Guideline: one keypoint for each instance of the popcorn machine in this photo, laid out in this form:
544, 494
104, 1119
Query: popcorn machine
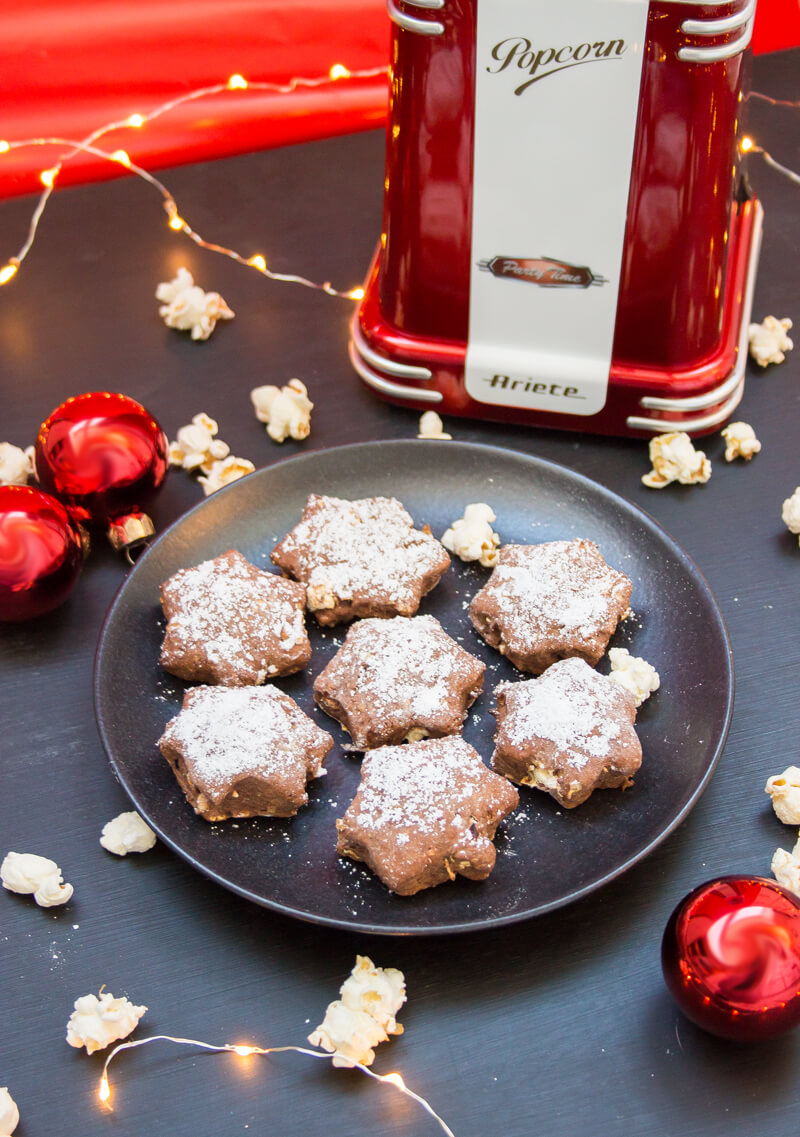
567, 239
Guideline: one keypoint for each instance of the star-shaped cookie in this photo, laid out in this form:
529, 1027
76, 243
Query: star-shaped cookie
399, 679
360, 558
243, 752
569, 733
551, 601
424, 813
230, 623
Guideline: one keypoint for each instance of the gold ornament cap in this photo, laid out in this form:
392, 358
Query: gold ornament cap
134, 529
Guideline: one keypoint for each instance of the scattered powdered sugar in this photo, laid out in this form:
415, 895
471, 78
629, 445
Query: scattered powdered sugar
226, 733
558, 583
229, 609
353, 548
571, 705
423, 786
408, 664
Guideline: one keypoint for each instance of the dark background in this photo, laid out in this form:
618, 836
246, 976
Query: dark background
552, 1027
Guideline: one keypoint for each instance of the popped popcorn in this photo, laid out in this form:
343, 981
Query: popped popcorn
285, 410
378, 991
674, 459
784, 790
790, 512
431, 426
472, 538
740, 441
364, 1016
27, 873
634, 673
16, 465
196, 448
127, 833
769, 341
786, 868
99, 1020
350, 1036
9, 1114
224, 472
188, 308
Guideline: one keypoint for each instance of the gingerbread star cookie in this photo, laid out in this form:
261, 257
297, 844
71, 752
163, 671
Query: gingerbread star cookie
399, 679
243, 752
231, 623
360, 558
424, 813
569, 733
548, 602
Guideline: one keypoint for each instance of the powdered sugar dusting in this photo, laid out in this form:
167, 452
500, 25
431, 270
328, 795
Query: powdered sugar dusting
403, 668
554, 585
234, 615
352, 549
226, 733
420, 787
571, 705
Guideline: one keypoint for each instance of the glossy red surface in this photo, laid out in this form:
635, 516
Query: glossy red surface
40, 553
70, 65
685, 167
103, 454
627, 384
731, 957
686, 242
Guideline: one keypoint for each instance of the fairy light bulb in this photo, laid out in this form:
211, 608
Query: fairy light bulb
746, 144
104, 1093
48, 177
244, 1051
395, 1080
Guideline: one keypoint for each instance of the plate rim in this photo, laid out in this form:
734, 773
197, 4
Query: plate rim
482, 924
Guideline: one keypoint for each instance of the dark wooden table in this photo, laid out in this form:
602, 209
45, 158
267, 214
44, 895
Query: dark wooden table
555, 1027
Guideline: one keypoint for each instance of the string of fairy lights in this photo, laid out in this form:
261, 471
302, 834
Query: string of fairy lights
236, 83
246, 1051
178, 223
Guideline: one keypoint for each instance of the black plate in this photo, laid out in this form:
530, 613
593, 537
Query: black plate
547, 856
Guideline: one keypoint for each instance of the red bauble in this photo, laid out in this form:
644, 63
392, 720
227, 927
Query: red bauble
40, 553
103, 455
731, 957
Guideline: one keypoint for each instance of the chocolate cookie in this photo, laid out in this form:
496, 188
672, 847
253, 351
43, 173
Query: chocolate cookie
399, 679
243, 752
424, 813
360, 558
570, 732
231, 623
548, 602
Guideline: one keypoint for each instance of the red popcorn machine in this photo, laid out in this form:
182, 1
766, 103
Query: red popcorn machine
568, 240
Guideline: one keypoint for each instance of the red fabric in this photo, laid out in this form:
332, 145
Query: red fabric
777, 25
68, 66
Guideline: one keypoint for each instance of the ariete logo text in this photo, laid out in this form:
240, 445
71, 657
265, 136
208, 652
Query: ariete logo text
539, 64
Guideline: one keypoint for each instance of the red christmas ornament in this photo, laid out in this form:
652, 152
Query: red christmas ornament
731, 957
105, 456
40, 553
